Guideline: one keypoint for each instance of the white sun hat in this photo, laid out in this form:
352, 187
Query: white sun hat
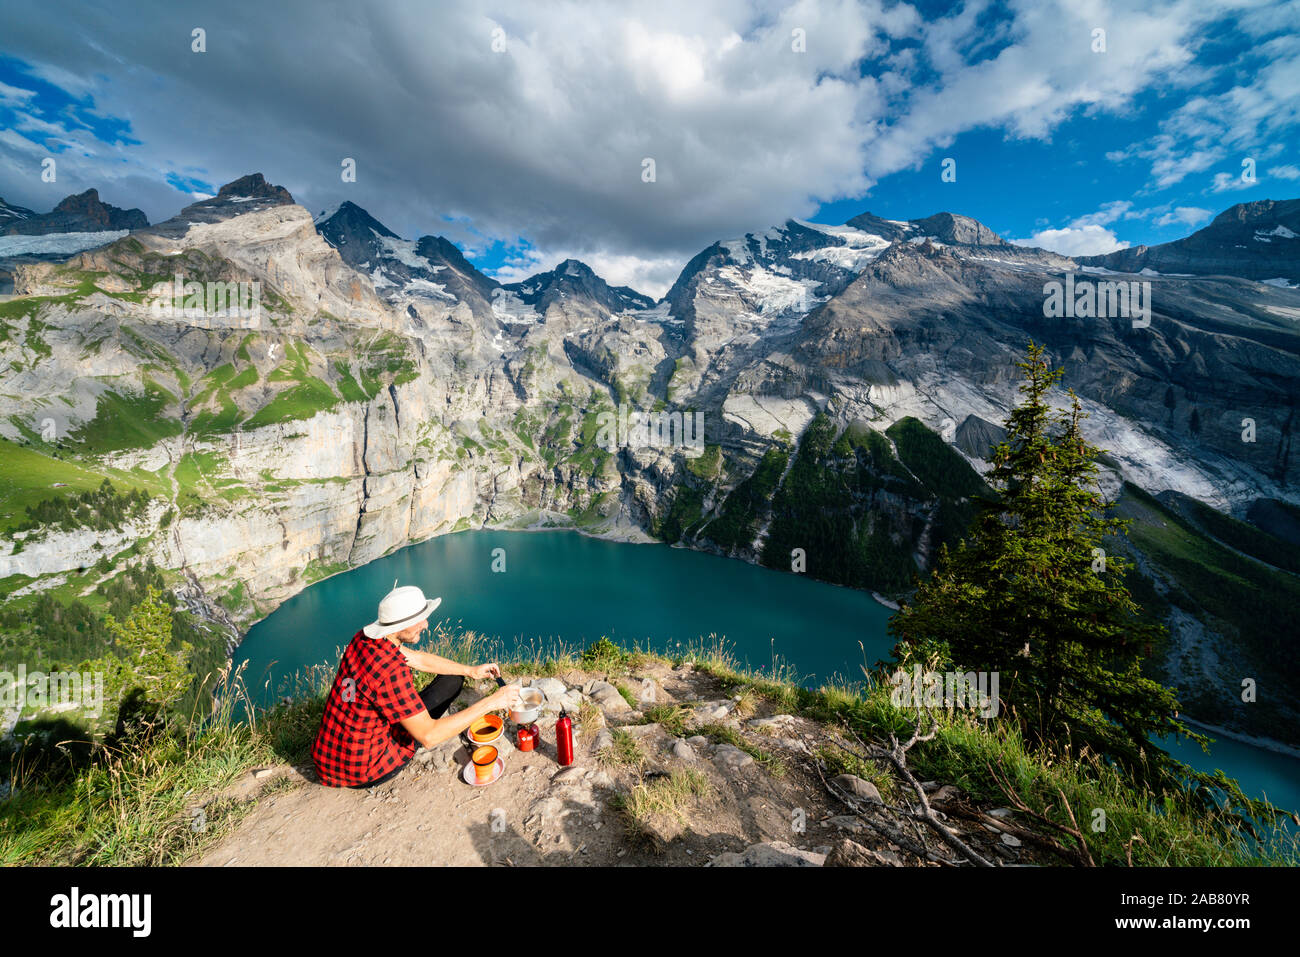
400, 609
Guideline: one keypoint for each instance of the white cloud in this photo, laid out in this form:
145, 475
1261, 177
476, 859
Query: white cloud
1086, 235
1284, 172
1223, 182
1187, 215
546, 139
1091, 240
12, 96
1243, 121
652, 276
1108, 213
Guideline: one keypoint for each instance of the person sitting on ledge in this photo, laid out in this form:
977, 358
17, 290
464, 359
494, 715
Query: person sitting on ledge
374, 716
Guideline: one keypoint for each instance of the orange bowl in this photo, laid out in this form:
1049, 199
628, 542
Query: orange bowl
486, 728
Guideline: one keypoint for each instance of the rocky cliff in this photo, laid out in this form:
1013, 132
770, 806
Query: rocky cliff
381, 391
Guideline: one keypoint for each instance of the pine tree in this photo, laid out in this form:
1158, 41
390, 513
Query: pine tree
147, 661
1033, 594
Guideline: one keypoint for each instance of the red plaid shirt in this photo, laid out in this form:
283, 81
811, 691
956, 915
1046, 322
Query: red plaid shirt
361, 737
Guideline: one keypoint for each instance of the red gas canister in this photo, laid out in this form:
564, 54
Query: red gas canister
564, 739
525, 739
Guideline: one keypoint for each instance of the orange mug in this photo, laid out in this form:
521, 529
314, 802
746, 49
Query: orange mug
485, 759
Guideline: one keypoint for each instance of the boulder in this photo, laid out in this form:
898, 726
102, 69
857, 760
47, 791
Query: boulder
639, 731
553, 688
852, 854
600, 779
682, 750
847, 822
728, 757
777, 722
441, 757
771, 854
570, 775
945, 794
714, 710
858, 787
608, 697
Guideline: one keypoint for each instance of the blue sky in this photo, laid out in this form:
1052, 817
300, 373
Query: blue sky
520, 132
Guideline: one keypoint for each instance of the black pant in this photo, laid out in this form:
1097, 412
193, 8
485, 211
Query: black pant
442, 691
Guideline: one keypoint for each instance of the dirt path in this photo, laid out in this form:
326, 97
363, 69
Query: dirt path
690, 800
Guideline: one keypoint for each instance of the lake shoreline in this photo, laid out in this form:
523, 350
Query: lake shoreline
625, 532
1265, 744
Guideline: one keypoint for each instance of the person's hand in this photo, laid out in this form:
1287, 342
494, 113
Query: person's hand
506, 697
489, 670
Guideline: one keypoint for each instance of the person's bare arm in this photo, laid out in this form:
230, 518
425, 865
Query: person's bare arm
431, 732
433, 664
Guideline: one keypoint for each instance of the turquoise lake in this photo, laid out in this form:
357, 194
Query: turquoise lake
563, 588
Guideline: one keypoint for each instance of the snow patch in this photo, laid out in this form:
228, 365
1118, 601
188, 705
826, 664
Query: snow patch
57, 242
403, 250
508, 307
659, 312
770, 292
860, 247
425, 287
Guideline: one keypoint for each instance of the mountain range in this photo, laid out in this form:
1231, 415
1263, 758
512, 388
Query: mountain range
851, 380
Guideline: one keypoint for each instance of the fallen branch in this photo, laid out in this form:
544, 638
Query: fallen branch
896, 755
1071, 854
889, 832
1083, 855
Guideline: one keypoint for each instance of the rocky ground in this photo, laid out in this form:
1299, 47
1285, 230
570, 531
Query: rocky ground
637, 794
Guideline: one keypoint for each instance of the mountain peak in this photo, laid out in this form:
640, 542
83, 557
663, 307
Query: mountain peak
80, 212
575, 268
254, 186
962, 230
79, 202
945, 227
574, 280
1238, 242
1260, 209
889, 229
349, 217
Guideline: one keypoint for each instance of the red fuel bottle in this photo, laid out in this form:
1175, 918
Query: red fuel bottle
564, 739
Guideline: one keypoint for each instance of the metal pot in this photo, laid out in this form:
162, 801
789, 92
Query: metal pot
529, 707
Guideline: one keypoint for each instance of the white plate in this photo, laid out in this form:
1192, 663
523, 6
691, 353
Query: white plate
468, 774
